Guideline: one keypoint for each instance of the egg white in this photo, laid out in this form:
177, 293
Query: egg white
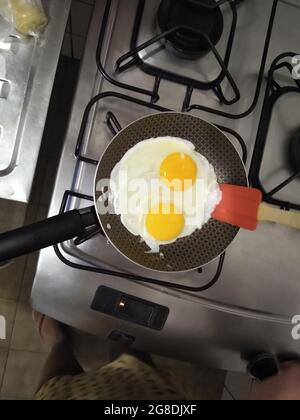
142, 162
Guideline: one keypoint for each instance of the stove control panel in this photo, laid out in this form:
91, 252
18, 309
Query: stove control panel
130, 308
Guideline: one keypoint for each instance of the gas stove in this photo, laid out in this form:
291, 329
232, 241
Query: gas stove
137, 63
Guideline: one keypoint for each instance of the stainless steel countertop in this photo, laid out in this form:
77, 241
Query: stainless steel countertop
251, 307
30, 66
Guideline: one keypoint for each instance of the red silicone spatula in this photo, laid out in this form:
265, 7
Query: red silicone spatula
243, 207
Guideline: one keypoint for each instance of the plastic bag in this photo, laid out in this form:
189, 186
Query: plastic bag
27, 16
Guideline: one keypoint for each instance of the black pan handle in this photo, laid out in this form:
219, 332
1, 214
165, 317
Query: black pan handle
49, 232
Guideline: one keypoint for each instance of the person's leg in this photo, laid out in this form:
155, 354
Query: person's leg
61, 360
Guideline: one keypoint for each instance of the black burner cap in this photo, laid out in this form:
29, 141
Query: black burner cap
295, 152
197, 16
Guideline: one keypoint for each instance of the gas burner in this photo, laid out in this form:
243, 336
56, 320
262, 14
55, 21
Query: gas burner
260, 177
196, 62
200, 24
295, 153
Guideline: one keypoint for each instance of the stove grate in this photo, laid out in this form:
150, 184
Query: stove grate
131, 58
274, 92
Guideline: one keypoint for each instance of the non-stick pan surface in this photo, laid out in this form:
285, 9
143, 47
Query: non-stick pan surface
204, 245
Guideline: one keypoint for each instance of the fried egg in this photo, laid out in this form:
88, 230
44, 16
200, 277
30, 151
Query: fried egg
164, 190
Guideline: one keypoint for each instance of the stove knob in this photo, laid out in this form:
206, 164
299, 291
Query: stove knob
263, 366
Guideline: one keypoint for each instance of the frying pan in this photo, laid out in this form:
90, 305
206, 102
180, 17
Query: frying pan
185, 254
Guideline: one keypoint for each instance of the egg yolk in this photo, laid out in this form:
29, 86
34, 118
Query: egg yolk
178, 168
164, 223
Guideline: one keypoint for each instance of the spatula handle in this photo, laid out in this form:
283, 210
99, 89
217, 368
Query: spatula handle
282, 217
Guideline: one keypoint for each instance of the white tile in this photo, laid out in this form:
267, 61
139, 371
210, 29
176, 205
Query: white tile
11, 277
8, 310
24, 336
12, 215
239, 385
22, 374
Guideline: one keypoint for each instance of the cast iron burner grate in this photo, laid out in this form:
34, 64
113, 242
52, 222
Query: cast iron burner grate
132, 58
274, 92
194, 18
115, 126
182, 23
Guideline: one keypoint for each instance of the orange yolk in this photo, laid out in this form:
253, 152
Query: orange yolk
164, 223
179, 169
